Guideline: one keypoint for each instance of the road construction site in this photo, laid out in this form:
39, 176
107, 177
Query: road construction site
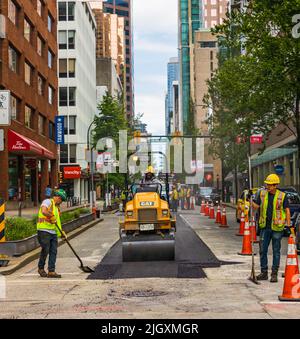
208, 279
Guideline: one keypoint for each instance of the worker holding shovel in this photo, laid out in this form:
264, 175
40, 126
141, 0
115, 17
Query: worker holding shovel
49, 230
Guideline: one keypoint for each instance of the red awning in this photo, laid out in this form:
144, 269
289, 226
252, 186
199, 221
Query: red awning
17, 143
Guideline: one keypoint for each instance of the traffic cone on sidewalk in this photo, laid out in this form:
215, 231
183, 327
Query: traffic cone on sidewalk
212, 211
224, 219
253, 230
219, 216
242, 225
202, 210
247, 246
291, 288
207, 209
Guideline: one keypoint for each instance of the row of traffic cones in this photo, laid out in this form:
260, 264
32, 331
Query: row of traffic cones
209, 211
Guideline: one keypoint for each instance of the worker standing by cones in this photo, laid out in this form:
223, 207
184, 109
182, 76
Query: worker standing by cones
174, 199
274, 215
48, 234
188, 197
181, 197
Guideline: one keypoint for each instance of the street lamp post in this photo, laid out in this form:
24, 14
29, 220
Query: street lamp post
91, 164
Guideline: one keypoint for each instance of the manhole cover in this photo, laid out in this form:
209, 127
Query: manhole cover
144, 294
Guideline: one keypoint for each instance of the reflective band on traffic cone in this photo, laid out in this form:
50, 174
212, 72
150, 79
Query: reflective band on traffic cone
212, 211
219, 216
291, 288
242, 225
202, 211
207, 210
253, 230
224, 219
247, 248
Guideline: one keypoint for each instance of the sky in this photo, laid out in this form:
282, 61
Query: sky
155, 42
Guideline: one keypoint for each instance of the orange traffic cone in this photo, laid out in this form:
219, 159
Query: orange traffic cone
212, 211
253, 230
224, 219
291, 288
242, 225
247, 247
202, 210
219, 216
207, 209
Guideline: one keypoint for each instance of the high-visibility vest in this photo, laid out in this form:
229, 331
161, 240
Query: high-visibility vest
175, 194
43, 224
181, 193
123, 196
188, 193
279, 214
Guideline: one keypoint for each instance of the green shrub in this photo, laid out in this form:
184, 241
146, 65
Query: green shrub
84, 211
19, 228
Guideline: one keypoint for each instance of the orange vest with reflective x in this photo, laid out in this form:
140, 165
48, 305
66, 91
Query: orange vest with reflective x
43, 222
279, 214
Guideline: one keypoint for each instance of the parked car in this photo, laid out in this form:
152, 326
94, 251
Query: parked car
242, 201
209, 194
294, 202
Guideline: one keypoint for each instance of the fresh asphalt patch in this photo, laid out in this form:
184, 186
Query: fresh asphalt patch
191, 256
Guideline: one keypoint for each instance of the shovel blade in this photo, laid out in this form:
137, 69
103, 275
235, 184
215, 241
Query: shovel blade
86, 269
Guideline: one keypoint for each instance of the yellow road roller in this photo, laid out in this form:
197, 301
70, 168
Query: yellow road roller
148, 230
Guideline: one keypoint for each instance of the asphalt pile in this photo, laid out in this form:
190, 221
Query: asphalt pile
191, 256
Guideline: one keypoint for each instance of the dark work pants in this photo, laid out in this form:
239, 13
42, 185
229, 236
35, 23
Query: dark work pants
174, 205
48, 243
266, 235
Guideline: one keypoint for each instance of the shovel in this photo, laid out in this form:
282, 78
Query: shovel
85, 269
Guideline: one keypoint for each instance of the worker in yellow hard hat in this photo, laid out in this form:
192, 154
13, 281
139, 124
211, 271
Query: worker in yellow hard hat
274, 214
149, 177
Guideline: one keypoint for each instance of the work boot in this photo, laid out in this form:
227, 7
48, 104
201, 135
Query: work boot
274, 278
54, 275
42, 273
262, 276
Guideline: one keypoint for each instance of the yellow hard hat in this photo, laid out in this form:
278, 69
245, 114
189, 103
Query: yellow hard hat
272, 179
150, 169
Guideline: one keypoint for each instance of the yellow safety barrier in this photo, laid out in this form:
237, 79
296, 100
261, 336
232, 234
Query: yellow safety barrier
2, 220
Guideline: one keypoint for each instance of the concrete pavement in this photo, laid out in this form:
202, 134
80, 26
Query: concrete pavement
225, 293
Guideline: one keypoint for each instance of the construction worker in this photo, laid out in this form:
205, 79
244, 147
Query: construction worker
174, 197
123, 198
149, 177
188, 197
48, 234
181, 197
273, 217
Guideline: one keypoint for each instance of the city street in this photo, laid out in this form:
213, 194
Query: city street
225, 292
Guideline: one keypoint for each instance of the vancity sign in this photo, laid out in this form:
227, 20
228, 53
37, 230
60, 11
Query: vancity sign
72, 172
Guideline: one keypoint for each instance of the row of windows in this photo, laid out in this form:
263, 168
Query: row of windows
67, 96
67, 68
66, 39
66, 11
68, 154
70, 125
30, 118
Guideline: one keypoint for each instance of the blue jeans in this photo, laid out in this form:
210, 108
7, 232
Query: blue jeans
266, 235
48, 243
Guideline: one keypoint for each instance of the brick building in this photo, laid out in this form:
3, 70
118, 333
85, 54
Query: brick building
28, 69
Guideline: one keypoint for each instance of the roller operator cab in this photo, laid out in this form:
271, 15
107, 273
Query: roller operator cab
148, 229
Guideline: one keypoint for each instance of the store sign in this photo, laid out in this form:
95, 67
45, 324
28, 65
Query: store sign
5, 108
59, 130
256, 139
72, 172
279, 169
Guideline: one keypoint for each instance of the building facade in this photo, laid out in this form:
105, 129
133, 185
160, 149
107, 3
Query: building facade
173, 75
214, 12
77, 90
123, 8
190, 20
28, 69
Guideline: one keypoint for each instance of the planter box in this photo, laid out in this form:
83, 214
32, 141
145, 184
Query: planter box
20, 247
114, 206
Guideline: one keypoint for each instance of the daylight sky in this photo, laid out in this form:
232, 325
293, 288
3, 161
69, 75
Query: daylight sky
155, 41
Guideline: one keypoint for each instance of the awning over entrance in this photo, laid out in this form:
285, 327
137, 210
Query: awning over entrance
17, 143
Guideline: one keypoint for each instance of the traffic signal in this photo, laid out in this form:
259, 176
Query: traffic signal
60, 177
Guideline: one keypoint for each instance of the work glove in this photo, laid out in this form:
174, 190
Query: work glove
53, 220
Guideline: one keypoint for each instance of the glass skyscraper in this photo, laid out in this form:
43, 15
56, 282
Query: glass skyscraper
173, 75
190, 20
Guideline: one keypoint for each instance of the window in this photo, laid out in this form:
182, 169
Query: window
27, 30
50, 95
28, 73
71, 11
73, 154
41, 85
52, 131
62, 11
40, 46
208, 44
66, 130
62, 39
213, 12
50, 58
40, 7
28, 117
15, 105
71, 39
41, 124
72, 96
71, 68
63, 96
63, 68
50, 23
12, 12
13, 59
72, 125
64, 156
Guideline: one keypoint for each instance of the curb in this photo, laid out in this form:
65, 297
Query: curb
33, 255
230, 206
